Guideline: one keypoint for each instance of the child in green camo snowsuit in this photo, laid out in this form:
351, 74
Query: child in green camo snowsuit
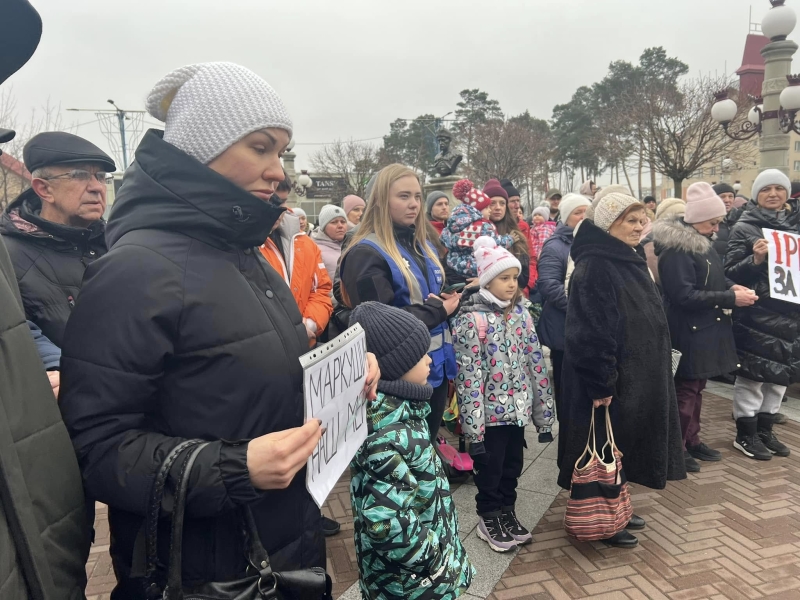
406, 528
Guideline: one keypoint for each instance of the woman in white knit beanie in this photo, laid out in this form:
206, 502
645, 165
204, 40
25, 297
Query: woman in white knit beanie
185, 333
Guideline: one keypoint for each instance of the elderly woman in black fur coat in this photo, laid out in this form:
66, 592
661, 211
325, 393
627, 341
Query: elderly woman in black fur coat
618, 354
698, 300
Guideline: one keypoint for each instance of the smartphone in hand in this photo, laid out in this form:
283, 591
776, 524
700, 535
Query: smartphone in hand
456, 287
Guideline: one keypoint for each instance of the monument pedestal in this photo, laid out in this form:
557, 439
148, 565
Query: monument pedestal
445, 185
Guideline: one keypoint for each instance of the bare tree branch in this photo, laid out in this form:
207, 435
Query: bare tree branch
354, 161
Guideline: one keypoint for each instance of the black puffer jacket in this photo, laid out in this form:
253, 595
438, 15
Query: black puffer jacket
696, 294
768, 333
184, 331
49, 261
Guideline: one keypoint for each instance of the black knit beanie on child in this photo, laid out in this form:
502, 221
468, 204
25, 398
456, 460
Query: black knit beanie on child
399, 341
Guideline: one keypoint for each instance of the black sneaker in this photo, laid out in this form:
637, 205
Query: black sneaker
330, 527
514, 528
692, 465
767, 437
703, 452
748, 441
753, 447
491, 531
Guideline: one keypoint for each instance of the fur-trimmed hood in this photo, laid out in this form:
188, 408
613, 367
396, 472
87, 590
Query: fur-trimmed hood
674, 234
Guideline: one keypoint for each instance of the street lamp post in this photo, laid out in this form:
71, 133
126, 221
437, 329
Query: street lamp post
774, 120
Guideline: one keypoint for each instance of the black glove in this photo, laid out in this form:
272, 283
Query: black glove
545, 437
476, 449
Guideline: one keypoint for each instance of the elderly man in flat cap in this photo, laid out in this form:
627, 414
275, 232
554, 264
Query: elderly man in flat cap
55, 229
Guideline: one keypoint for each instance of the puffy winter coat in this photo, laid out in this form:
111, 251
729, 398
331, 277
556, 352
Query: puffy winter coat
465, 225
502, 378
406, 525
698, 300
44, 530
768, 333
618, 345
330, 250
185, 331
49, 261
552, 269
300, 264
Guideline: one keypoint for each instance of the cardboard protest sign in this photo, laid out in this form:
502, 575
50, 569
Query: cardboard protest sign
334, 377
784, 265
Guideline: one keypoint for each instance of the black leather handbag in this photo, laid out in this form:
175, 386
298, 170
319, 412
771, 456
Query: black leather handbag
259, 583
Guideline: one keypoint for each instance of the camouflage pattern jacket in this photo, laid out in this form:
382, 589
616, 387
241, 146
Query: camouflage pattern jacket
406, 527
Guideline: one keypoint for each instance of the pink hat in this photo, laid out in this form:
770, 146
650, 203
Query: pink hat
350, 202
465, 191
702, 203
492, 188
492, 260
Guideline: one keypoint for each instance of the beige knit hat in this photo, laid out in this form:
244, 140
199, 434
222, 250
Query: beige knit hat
611, 189
610, 207
669, 208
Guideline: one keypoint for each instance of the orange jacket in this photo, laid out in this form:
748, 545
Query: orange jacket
306, 275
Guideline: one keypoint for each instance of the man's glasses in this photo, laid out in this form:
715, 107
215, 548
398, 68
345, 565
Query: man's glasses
81, 175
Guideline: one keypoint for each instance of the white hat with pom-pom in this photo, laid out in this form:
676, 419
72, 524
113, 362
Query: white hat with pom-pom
492, 260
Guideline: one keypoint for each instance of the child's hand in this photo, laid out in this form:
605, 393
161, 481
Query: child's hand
373, 374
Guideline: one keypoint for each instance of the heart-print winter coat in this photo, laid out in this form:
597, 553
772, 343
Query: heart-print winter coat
502, 379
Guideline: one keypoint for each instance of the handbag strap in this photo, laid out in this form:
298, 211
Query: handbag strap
591, 444
154, 508
174, 589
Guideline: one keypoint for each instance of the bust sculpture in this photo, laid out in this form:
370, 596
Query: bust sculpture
445, 163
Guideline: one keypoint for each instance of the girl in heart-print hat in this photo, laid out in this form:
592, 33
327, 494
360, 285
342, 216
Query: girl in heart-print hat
502, 385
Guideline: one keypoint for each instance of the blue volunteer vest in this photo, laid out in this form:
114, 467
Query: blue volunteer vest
443, 357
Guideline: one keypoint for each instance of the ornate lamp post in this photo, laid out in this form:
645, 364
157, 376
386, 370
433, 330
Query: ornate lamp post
775, 119
303, 183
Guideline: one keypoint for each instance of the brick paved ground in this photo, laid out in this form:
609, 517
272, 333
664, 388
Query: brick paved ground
731, 531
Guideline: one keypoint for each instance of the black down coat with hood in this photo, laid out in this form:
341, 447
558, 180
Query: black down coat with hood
768, 333
184, 331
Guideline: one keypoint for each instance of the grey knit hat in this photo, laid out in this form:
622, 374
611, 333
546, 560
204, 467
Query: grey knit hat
541, 211
610, 208
328, 213
397, 338
770, 177
431, 200
208, 107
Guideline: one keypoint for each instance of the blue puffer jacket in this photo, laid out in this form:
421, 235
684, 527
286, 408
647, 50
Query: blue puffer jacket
552, 271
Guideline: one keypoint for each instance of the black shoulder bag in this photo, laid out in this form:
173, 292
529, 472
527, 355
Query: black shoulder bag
259, 583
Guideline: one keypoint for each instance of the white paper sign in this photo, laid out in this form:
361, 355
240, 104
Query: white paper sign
784, 265
334, 377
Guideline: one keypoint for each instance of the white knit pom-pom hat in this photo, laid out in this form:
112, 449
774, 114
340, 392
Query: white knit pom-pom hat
492, 260
208, 107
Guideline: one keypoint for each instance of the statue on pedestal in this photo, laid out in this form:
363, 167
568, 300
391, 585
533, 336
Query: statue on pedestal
445, 163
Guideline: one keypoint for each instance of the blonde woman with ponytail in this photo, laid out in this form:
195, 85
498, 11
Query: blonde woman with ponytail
391, 260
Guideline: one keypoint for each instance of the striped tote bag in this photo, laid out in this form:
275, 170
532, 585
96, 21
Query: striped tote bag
599, 502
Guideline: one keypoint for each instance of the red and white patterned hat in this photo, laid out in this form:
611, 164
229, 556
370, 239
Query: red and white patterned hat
466, 191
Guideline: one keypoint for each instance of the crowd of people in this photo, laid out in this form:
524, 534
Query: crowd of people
183, 317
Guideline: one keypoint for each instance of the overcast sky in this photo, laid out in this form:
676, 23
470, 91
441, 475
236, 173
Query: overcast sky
347, 68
